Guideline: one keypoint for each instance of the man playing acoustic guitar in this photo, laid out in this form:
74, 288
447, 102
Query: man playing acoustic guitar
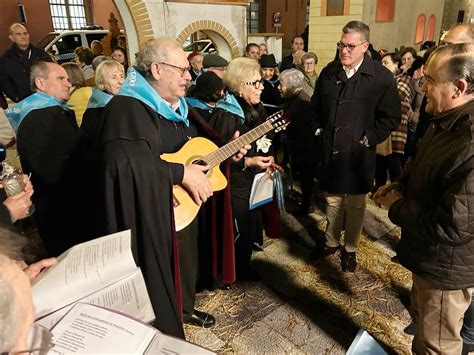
147, 118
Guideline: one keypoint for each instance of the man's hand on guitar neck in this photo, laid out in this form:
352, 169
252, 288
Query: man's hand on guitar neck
243, 151
196, 183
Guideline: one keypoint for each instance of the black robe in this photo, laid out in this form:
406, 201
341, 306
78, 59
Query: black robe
47, 143
137, 186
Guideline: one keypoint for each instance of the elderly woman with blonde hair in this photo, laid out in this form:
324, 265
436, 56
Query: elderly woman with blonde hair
241, 110
109, 77
300, 133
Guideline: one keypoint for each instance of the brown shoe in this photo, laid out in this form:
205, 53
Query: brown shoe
348, 261
321, 253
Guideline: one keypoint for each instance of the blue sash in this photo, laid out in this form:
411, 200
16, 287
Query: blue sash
98, 99
199, 104
38, 100
229, 103
137, 87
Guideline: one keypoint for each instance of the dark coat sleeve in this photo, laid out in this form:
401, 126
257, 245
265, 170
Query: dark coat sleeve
388, 112
6, 84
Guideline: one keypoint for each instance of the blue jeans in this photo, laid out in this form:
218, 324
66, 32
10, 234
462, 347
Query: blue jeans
467, 330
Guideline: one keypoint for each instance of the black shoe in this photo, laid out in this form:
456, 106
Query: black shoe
225, 287
257, 247
467, 348
410, 329
322, 252
201, 319
348, 261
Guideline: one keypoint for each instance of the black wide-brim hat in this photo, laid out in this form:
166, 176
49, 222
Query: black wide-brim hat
267, 61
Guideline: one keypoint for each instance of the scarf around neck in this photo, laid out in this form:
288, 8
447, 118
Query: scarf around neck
196, 103
229, 103
137, 87
98, 99
38, 100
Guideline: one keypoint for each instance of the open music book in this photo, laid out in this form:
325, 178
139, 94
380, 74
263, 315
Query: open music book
89, 329
101, 272
262, 190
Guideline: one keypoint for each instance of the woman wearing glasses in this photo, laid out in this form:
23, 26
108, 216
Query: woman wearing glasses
241, 110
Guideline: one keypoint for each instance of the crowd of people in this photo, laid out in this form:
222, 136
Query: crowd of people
393, 125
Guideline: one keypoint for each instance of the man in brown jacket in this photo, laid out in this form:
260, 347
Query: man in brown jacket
433, 204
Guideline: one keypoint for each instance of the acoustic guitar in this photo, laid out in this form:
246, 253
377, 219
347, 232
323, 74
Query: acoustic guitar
204, 152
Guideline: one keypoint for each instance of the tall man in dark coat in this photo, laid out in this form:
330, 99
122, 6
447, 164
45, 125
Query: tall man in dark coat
47, 143
356, 106
16, 61
433, 204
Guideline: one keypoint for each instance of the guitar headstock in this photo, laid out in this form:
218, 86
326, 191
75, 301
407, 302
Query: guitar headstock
278, 121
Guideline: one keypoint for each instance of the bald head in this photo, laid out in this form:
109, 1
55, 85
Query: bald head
462, 33
19, 35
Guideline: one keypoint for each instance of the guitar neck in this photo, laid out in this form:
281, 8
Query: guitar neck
218, 156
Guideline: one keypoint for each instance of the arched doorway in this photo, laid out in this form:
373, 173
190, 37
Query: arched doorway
225, 43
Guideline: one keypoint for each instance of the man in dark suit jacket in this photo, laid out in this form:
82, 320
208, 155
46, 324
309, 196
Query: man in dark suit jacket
16, 61
356, 106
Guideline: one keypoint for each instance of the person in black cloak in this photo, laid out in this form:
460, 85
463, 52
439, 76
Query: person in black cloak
109, 77
138, 128
149, 117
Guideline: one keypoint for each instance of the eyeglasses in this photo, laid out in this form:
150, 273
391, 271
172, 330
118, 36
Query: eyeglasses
183, 70
256, 84
39, 341
350, 47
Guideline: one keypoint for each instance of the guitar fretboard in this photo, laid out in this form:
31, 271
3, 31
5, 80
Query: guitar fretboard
218, 156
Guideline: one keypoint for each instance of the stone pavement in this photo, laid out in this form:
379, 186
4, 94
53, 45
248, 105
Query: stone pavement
301, 307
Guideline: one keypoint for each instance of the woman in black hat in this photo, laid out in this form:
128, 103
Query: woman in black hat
208, 90
270, 97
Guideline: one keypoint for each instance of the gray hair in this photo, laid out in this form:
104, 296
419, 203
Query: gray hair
38, 70
8, 317
155, 51
359, 27
459, 65
97, 60
309, 55
293, 79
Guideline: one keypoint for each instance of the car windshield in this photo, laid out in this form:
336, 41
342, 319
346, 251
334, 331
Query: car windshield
196, 46
42, 43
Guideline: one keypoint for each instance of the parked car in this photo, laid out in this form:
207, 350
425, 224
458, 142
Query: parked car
204, 46
63, 43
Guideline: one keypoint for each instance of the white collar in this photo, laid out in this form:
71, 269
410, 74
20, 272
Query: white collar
350, 72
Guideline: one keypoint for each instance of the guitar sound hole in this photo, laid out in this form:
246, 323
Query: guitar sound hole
202, 162
199, 162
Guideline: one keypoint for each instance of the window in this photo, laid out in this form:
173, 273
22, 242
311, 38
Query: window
431, 28
420, 29
68, 14
253, 11
335, 8
385, 11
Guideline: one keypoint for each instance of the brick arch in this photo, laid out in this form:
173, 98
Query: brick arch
141, 20
205, 25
